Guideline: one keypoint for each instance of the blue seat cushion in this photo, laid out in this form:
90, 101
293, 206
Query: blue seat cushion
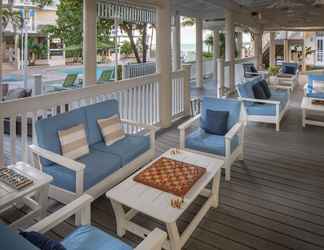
269, 109
315, 94
13, 241
214, 144
47, 130
91, 238
216, 122
98, 166
233, 107
98, 111
128, 148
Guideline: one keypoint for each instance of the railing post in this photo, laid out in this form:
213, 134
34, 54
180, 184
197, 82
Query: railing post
220, 76
38, 85
186, 89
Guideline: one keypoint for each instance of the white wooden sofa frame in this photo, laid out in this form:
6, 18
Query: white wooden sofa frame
229, 158
66, 196
266, 118
82, 206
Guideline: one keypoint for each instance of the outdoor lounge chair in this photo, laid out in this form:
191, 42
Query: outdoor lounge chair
315, 86
289, 74
84, 237
228, 147
264, 110
107, 75
69, 83
250, 71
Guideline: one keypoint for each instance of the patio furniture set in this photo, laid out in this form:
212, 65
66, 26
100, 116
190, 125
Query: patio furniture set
89, 151
87, 161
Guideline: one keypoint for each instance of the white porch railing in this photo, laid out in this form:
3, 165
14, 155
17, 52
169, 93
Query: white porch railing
208, 67
138, 98
138, 69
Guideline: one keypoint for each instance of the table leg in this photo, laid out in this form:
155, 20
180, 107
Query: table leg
175, 242
120, 218
215, 189
43, 201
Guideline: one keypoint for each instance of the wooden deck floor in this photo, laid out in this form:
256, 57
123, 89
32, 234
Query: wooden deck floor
274, 201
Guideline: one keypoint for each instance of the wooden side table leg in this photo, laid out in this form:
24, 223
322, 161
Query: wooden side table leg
175, 241
215, 189
43, 201
120, 218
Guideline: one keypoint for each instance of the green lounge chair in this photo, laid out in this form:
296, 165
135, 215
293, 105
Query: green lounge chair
107, 75
70, 80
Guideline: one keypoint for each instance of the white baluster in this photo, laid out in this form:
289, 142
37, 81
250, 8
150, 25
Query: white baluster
24, 137
13, 138
2, 160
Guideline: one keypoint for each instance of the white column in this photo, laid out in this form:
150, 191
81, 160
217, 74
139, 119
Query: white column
220, 77
163, 47
186, 90
239, 44
199, 54
89, 41
286, 48
176, 47
272, 49
230, 48
258, 48
216, 52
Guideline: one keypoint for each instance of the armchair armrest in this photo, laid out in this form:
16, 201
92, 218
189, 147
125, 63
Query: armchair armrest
183, 128
59, 159
233, 131
188, 123
153, 241
259, 100
64, 162
82, 204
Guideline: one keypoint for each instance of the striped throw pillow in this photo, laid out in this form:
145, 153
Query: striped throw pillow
111, 129
74, 142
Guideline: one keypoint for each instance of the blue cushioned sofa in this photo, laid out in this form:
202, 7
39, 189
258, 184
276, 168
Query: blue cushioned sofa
292, 71
84, 237
266, 111
312, 90
228, 147
104, 166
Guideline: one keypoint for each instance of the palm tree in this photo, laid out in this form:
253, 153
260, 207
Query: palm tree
10, 16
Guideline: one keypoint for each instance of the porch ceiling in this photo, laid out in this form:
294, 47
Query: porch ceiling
270, 14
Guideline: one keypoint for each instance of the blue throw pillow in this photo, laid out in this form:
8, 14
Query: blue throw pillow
216, 122
266, 88
41, 241
258, 91
253, 69
289, 70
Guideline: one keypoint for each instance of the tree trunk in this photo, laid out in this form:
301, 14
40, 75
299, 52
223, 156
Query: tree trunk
144, 35
129, 30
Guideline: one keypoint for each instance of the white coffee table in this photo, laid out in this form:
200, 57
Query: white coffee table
9, 196
156, 203
306, 106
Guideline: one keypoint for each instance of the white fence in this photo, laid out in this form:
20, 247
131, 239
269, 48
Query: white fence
138, 69
138, 98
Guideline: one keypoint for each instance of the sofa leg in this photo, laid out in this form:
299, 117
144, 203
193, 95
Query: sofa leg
277, 126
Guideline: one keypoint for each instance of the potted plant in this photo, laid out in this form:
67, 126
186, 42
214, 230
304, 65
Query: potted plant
273, 72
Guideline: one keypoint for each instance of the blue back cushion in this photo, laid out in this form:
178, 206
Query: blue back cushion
47, 130
13, 241
289, 68
314, 77
98, 111
246, 89
233, 107
216, 122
